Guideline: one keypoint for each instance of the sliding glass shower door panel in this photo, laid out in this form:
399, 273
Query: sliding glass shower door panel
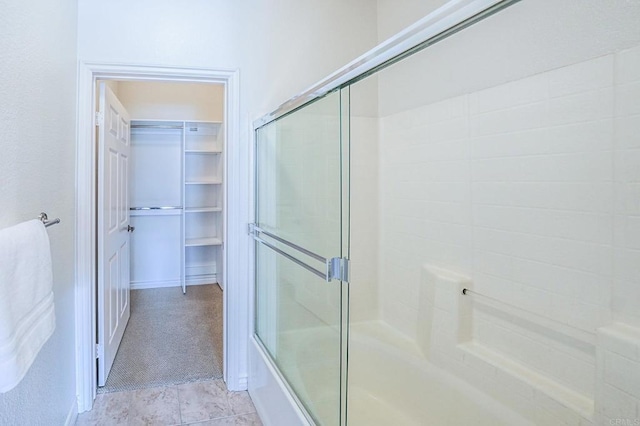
299, 177
301, 224
301, 331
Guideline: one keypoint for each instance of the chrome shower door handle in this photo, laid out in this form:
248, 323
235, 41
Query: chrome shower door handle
337, 268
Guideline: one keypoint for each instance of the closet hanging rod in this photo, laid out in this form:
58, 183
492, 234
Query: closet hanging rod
157, 208
157, 126
45, 220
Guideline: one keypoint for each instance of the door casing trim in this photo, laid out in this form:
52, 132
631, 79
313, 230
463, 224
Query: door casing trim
236, 314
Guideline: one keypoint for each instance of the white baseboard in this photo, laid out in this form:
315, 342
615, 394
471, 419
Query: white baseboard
72, 416
141, 285
202, 280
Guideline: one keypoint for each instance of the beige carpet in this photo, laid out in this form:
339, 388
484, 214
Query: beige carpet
171, 338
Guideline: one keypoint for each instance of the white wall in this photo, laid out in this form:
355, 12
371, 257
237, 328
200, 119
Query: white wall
281, 47
172, 101
114, 85
37, 140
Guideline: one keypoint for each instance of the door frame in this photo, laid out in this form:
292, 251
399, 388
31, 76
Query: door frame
235, 306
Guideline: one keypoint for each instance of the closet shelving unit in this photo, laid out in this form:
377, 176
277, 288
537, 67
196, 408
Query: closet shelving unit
182, 168
203, 201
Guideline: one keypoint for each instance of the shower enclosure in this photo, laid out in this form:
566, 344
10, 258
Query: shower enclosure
447, 231
302, 251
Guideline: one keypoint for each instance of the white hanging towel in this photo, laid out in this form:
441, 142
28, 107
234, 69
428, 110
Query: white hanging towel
27, 317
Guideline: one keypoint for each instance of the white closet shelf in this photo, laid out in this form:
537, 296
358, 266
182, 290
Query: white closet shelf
210, 123
202, 209
203, 151
207, 241
204, 182
175, 212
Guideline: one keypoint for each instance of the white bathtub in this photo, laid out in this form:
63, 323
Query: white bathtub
391, 383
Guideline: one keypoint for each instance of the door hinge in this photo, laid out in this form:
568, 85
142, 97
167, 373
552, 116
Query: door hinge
99, 118
251, 228
99, 351
338, 269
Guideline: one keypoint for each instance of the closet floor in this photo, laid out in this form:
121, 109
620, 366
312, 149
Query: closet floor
171, 338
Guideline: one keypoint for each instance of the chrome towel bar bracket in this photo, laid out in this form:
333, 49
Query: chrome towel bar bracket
45, 220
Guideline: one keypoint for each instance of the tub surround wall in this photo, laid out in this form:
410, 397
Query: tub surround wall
365, 202
365, 225
626, 236
444, 318
447, 338
522, 40
530, 189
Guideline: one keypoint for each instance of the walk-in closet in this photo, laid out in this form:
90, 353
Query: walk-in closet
165, 169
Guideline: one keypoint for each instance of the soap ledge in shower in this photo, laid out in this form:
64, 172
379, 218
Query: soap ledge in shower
440, 296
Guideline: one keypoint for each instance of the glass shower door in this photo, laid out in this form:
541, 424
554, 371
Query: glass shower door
301, 236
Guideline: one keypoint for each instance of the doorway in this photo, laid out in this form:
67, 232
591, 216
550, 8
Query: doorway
161, 157
234, 300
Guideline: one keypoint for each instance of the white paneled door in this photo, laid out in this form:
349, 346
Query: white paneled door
113, 228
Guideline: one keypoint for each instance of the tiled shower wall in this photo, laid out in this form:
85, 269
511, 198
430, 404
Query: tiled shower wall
531, 189
364, 230
626, 289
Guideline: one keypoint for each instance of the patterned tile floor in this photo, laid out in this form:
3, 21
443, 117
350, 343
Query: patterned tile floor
202, 403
